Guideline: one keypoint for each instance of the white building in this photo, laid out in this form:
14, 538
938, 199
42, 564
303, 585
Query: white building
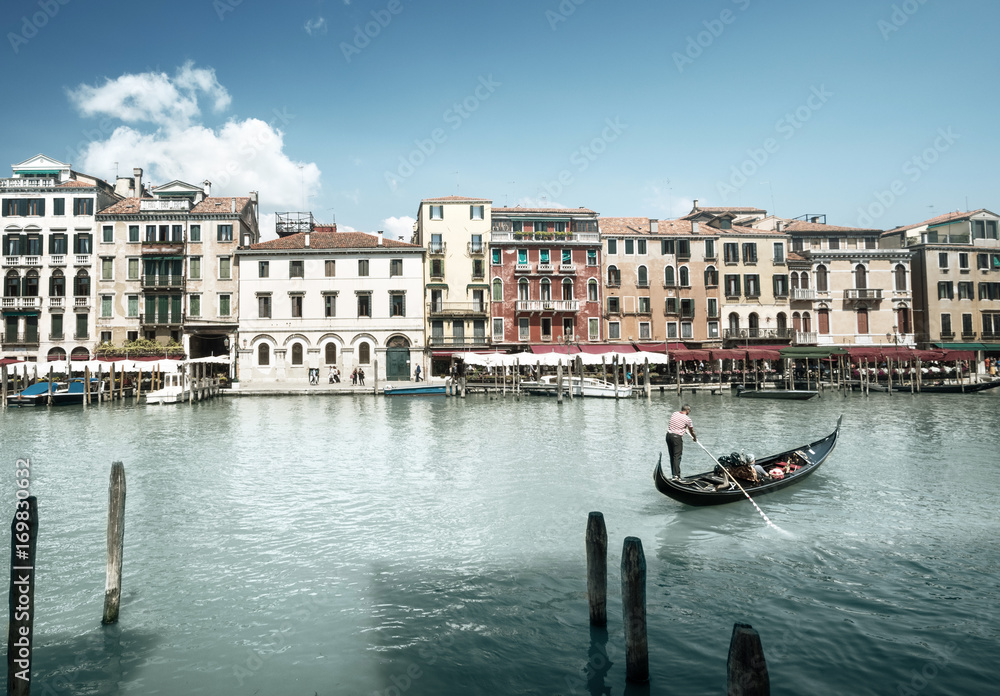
49, 262
319, 298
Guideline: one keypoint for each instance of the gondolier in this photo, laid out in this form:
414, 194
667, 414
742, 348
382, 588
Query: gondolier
680, 423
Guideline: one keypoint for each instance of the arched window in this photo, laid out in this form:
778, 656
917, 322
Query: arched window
903, 319
81, 284
31, 284
668, 277
497, 290
12, 284
796, 322
900, 276
592, 290
793, 280
614, 276
685, 277
734, 324
822, 279
296, 353
522, 289
860, 278
711, 276
782, 324
263, 355
642, 277
56, 355
57, 284
804, 280
364, 353
754, 325
567, 289
823, 316
331, 353
806, 322
546, 287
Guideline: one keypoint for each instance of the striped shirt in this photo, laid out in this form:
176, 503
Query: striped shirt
679, 422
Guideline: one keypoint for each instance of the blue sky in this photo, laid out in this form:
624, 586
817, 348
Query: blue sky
874, 113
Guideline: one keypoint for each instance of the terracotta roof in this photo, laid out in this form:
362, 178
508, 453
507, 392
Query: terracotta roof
803, 226
739, 230
947, 217
794, 256
561, 211
454, 199
220, 204
719, 209
331, 240
615, 226
124, 206
76, 183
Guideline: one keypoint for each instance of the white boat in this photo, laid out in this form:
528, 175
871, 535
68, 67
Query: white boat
581, 386
175, 390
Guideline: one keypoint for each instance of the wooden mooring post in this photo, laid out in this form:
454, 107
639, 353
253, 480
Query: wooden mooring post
597, 569
116, 542
86, 385
559, 382
3, 385
634, 611
746, 669
20, 629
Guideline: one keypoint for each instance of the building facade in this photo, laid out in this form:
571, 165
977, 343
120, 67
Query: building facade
50, 261
321, 299
545, 276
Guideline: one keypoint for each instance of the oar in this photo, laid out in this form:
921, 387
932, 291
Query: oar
730, 476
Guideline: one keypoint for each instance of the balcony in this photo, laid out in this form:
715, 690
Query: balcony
437, 249
522, 268
8, 303
550, 237
476, 248
57, 260
34, 261
871, 294
82, 260
457, 309
176, 206
806, 338
803, 294
31, 303
56, 336
11, 261
947, 335
81, 303
968, 335
30, 182
547, 306
567, 268
152, 282
27, 339
459, 341
170, 320
758, 334
85, 336
545, 268
163, 248
57, 302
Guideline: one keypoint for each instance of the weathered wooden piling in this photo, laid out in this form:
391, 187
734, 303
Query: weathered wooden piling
746, 669
20, 630
3, 386
597, 569
559, 382
49, 400
116, 541
634, 611
86, 385
569, 367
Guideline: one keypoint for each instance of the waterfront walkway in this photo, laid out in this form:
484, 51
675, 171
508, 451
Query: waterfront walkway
324, 388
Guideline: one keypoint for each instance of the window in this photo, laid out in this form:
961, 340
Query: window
749, 253
666, 246
478, 269
133, 234
612, 246
684, 276
362, 267
437, 268
567, 257
671, 306
497, 290
731, 252
330, 304
640, 246
263, 355
107, 269
224, 304
614, 277
712, 309
613, 305
967, 325
629, 246
560, 226
194, 268
83, 206
751, 285
397, 304
779, 252
672, 329
498, 328
711, 277
780, 285
106, 306
983, 262
396, 267
860, 276
522, 257
713, 329
296, 353
150, 233
683, 248
364, 304
81, 284
225, 268
546, 290
194, 305
592, 290
687, 308
946, 325
591, 257
834, 243
330, 268
82, 244
642, 277
437, 212
943, 260
522, 290
296, 268
567, 289
541, 226
82, 330
643, 329
614, 330
732, 285
108, 234
965, 290
59, 206
263, 269
989, 291
495, 257
543, 256
296, 306
263, 306
177, 233
593, 329
523, 330
945, 290
517, 226
822, 279
644, 305
668, 277
963, 261
57, 284
477, 212
194, 233
132, 305
57, 244
224, 233
687, 329
709, 249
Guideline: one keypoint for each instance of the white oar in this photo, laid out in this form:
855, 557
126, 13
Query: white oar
730, 476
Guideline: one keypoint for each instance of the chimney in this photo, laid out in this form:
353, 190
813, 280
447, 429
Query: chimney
208, 187
779, 225
696, 204
815, 219
232, 206
307, 239
137, 177
380, 237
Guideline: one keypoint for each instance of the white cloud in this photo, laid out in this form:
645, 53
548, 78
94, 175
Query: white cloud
315, 26
153, 97
658, 199
396, 227
238, 157
532, 202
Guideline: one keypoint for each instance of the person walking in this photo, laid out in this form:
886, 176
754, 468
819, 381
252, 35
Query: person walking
361, 376
680, 423
354, 377
416, 375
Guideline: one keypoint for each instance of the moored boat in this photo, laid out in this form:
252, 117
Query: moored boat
35, 395
704, 489
415, 390
175, 390
581, 386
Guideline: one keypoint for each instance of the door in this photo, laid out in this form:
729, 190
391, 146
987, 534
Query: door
397, 360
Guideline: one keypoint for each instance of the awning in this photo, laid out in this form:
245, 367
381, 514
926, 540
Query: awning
953, 355
601, 349
728, 354
553, 348
437, 285
759, 353
962, 346
803, 352
685, 355
660, 347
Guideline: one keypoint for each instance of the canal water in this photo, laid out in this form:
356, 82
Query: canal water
361, 545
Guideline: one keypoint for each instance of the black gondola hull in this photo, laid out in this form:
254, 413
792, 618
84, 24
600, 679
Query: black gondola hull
690, 493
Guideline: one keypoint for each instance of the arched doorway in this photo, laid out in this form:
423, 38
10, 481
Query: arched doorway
397, 359
56, 355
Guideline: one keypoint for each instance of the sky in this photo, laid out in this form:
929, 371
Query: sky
873, 113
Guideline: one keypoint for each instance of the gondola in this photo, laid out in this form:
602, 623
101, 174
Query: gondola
701, 489
971, 388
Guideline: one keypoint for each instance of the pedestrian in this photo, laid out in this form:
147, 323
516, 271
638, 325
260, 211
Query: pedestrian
416, 375
336, 373
354, 377
680, 423
361, 376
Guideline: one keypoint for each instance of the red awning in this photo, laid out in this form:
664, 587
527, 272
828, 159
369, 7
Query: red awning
660, 347
685, 355
728, 354
602, 348
761, 353
952, 355
11, 361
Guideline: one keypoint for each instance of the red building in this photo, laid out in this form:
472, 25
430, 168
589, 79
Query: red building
545, 276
